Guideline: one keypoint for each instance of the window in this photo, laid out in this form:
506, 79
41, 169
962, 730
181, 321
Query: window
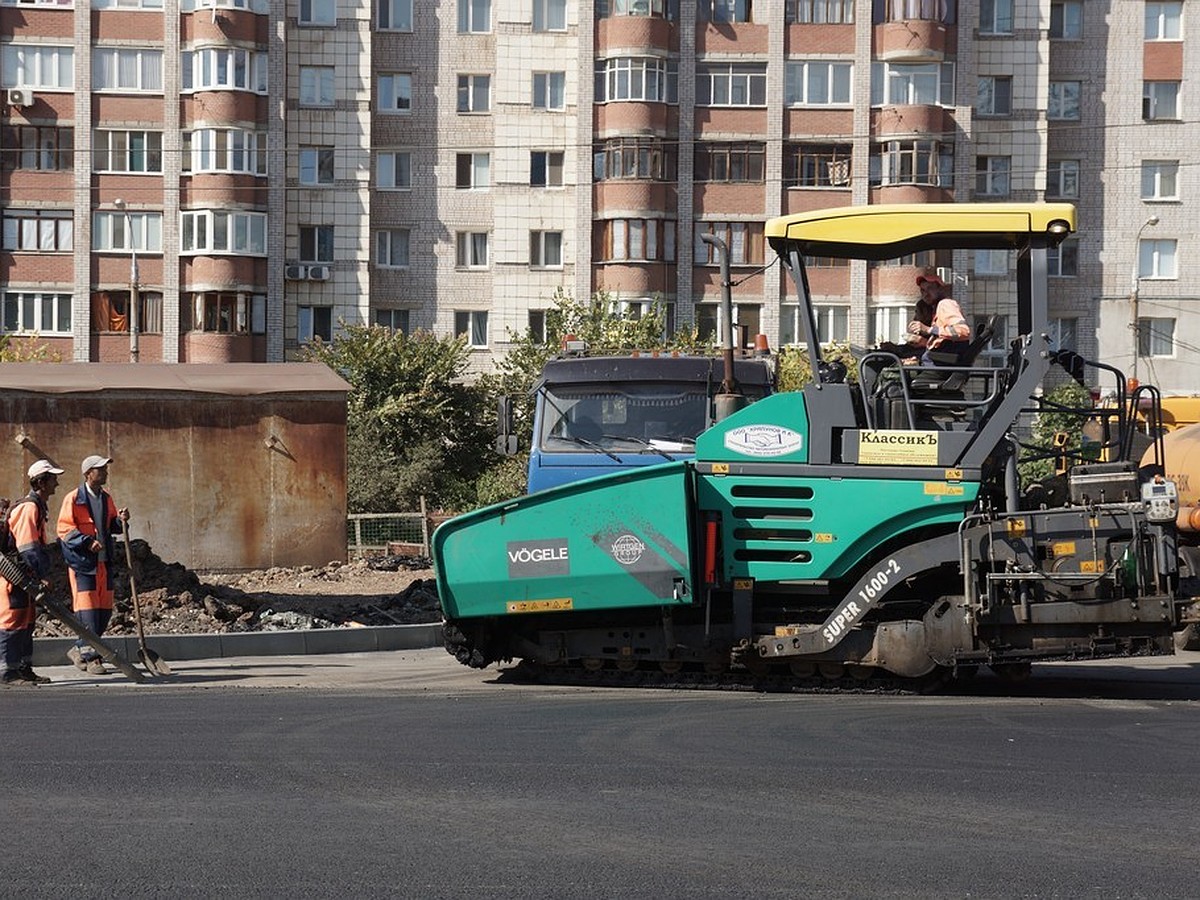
913, 162
730, 162
546, 249
818, 12
316, 243
471, 249
318, 12
29, 313
314, 323
395, 15
549, 15
546, 168
995, 16
991, 262
391, 248
537, 325
890, 323
226, 312
919, 84
1064, 101
816, 165
648, 240
126, 70
316, 85
1063, 261
995, 96
393, 170
38, 66
223, 231
817, 83
316, 165
43, 148
993, 176
731, 84
924, 259
1163, 21
473, 325
1160, 179
743, 239
668, 9
258, 6
833, 324
39, 231
474, 16
472, 171
1062, 179
1156, 259
1160, 100
127, 151
127, 231
225, 150
1066, 20
225, 68
644, 159
48, 3
395, 92
474, 93
110, 312
727, 10
1064, 334
1156, 336
746, 318
393, 319
638, 78
549, 90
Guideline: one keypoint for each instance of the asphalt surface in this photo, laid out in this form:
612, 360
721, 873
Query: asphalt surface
404, 774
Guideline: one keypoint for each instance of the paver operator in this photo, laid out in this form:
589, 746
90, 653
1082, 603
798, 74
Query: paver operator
86, 524
948, 331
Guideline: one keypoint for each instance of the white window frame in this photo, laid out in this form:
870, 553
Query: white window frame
1064, 333
321, 13
1062, 179
318, 86
317, 166
223, 69
833, 324
394, 320
731, 85
549, 15
1158, 259
549, 91
127, 70
243, 312
549, 165
311, 318
472, 171
1066, 20
912, 84
474, 94
546, 249
996, 16
219, 232
393, 248
993, 176
1064, 102
1156, 337
38, 230
118, 145
42, 67
1063, 261
111, 234
35, 312
393, 170
741, 240
1164, 21
992, 263
822, 82
473, 325
912, 162
727, 12
474, 16
395, 93
1160, 179
394, 15
818, 12
225, 150
637, 79
317, 244
994, 96
472, 249
890, 323
1160, 100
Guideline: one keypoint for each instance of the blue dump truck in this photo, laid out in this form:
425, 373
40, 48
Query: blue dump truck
595, 415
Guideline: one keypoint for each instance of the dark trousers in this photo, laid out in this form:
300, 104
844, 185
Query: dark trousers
16, 648
95, 620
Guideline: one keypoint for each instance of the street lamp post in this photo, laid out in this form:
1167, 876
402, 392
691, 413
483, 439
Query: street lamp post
135, 298
1133, 295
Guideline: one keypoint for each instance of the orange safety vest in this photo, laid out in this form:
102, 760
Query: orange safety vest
91, 579
948, 324
17, 612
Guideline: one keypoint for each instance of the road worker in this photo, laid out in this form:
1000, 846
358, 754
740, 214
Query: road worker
26, 521
947, 335
87, 522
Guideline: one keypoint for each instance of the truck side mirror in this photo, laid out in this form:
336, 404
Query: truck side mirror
506, 440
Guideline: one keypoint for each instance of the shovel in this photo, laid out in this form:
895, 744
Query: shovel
154, 663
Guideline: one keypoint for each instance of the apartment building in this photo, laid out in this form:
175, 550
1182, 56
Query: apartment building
226, 182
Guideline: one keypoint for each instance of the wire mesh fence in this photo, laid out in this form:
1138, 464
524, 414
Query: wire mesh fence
375, 534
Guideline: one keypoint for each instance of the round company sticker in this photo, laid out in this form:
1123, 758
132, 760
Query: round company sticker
627, 549
763, 440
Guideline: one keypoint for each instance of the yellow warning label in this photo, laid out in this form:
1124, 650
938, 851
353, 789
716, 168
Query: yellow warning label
1015, 527
823, 537
954, 474
558, 604
720, 468
1063, 548
1091, 566
743, 584
941, 489
898, 448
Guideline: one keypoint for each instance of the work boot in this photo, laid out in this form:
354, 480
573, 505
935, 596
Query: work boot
12, 678
76, 656
96, 667
26, 673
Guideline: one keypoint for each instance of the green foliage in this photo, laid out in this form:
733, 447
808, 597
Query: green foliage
415, 424
1050, 422
27, 349
795, 371
505, 480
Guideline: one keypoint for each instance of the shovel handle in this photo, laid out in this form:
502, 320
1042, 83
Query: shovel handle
137, 607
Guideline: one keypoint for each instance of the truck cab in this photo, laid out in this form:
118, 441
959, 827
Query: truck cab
595, 415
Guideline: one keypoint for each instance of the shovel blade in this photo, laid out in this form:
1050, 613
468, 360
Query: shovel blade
154, 663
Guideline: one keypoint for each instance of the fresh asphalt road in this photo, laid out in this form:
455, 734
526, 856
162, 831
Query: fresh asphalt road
404, 774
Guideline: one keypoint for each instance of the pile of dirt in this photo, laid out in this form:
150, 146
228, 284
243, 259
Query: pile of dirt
175, 600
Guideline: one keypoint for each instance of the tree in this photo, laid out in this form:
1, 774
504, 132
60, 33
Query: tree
1060, 414
416, 425
27, 349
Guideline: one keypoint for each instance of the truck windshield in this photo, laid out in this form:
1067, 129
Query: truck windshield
622, 417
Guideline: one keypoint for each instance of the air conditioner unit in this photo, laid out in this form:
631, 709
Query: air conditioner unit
295, 273
946, 274
19, 97
318, 273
